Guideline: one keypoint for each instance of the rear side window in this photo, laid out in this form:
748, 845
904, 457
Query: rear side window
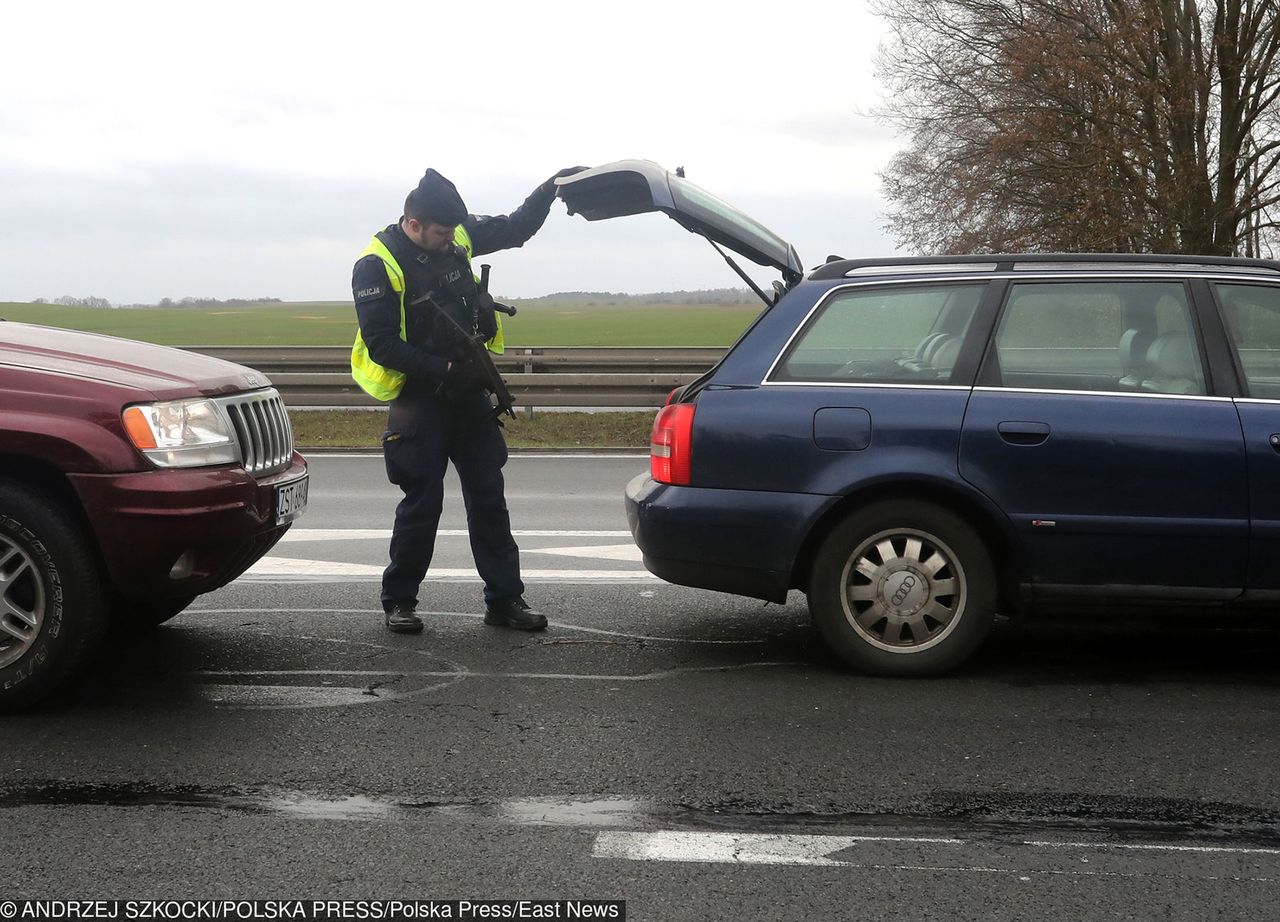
1252, 313
884, 335
1099, 336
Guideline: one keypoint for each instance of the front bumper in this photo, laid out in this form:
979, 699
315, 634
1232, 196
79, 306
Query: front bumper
739, 541
182, 531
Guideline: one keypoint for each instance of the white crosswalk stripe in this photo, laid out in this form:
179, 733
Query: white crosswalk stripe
1025, 859
738, 848
281, 567
595, 552
299, 535
275, 568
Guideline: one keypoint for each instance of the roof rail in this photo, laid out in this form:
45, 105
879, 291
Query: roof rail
1006, 262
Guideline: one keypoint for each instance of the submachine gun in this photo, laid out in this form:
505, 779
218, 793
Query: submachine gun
470, 347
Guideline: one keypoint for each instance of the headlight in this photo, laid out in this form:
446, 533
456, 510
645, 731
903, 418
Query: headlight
183, 433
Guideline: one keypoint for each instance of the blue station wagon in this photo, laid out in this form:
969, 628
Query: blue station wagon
918, 444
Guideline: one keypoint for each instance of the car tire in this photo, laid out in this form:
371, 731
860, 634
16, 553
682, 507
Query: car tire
137, 615
903, 588
53, 603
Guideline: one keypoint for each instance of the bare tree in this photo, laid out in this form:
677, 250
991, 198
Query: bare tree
1107, 125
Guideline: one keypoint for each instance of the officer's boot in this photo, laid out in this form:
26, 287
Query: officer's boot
401, 619
515, 613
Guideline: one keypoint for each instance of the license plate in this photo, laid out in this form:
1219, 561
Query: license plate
291, 500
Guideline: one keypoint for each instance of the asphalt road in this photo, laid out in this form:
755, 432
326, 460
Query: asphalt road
698, 755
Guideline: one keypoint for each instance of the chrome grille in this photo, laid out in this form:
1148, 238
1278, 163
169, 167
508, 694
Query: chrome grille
262, 430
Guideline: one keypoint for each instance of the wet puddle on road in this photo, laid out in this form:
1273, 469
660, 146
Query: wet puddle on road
1112, 838
1134, 821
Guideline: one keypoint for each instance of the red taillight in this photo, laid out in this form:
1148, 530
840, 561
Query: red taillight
670, 448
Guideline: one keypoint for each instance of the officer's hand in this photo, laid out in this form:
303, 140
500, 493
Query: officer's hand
548, 188
486, 322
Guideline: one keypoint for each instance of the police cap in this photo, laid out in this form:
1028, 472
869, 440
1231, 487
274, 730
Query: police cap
438, 200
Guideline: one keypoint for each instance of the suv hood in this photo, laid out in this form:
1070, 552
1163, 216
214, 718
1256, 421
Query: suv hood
639, 186
163, 371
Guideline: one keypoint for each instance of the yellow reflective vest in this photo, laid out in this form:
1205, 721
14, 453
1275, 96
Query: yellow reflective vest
387, 383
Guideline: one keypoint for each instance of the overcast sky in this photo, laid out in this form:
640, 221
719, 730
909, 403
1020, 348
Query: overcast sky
238, 149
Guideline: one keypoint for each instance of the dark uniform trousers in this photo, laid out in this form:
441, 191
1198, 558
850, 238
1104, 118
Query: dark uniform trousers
424, 433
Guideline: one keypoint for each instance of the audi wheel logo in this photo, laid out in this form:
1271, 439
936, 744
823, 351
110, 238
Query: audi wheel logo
903, 591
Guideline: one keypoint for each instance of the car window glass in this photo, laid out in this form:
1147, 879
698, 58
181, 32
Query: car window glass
1099, 336
893, 334
1252, 313
703, 205
1171, 313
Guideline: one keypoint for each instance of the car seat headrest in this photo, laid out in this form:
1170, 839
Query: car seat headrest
1133, 350
1171, 356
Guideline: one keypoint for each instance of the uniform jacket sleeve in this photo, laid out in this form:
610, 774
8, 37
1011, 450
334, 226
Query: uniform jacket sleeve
501, 232
378, 313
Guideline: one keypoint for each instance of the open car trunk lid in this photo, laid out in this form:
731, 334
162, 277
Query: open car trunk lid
638, 186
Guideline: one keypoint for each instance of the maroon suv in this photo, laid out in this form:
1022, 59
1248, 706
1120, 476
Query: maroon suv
133, 477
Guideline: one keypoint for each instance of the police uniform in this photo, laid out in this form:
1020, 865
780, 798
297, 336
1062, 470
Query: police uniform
403, 353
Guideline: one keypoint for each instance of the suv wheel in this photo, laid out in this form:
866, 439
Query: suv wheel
903, 588
53, 609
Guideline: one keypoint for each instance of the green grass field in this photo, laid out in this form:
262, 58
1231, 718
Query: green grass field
329, 323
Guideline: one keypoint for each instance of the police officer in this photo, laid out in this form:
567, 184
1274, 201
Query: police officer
408, 354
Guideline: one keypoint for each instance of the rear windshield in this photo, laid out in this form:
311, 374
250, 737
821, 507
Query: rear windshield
706, 208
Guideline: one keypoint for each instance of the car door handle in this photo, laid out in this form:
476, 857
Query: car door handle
1022, 433
1275, 441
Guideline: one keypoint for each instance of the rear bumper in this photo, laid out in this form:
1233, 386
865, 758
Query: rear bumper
738, 541
179, 532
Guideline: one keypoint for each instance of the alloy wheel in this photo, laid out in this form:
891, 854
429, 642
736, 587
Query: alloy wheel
22, 602
903, 590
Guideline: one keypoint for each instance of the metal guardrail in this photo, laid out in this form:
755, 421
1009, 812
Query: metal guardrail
538, 376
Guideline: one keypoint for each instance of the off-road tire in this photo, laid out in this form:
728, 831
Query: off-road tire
50, 573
